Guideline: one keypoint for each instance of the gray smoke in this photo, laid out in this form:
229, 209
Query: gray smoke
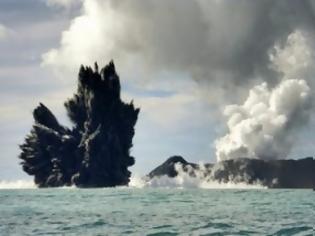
227, 46
223, 43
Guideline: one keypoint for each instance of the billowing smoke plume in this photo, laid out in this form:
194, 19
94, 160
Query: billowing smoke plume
221, 43
229, 46
266, 125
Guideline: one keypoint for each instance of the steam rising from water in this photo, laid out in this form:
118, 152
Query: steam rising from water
266, 125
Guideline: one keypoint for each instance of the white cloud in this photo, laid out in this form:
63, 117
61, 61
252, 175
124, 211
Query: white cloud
62, 3
90, 38
4, 32
180, 108
22, 106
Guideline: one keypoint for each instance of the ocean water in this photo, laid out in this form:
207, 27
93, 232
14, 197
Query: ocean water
156, 211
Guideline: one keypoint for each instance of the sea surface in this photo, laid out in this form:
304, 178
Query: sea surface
156, 211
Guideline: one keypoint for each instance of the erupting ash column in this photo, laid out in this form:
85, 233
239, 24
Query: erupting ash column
96, 151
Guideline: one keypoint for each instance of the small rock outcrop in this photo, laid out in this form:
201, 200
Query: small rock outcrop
168, 167
96, 151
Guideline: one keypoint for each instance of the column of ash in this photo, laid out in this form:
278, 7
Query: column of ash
96, 151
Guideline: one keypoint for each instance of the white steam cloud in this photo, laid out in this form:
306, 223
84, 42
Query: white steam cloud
266, 125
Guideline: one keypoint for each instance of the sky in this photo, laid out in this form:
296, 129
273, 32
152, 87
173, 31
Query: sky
182, 62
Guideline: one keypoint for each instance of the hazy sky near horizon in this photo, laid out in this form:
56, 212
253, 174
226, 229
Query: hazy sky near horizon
43, 43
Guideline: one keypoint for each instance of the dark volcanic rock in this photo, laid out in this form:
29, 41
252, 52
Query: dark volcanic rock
168, 167
96, 151
273, 174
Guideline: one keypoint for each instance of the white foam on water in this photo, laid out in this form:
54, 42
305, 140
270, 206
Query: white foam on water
185, 180
189, 182
182, 180
17, 184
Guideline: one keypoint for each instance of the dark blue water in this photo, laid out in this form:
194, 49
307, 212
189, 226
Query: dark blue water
156, 211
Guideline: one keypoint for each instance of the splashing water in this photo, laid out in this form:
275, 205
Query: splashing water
183, 180
191, 178
17, 184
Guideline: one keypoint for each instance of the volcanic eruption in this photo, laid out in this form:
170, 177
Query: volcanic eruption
95, 152
262, 130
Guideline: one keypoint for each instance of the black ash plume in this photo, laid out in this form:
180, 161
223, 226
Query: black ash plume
96, 151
